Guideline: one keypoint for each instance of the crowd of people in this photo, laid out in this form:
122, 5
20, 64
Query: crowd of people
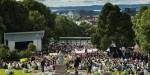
102, 62
128, 66
33, 64
67, 46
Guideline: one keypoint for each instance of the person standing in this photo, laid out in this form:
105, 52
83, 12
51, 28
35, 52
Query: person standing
66, 61
42, 65
89, 66
76, 64
60, 58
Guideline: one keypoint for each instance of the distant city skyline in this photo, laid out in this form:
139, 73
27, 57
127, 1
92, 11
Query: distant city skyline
63, 3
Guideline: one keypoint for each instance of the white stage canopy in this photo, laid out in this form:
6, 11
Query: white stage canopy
53, 54
79, 51
92, 50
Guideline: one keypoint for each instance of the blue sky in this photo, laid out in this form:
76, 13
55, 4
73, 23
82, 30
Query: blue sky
62, 3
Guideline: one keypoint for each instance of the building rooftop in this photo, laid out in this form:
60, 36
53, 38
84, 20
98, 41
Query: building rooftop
74, 38
32, 32
23, 36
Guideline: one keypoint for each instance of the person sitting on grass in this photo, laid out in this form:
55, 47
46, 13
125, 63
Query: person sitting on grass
29, 67
17, 66
25, 67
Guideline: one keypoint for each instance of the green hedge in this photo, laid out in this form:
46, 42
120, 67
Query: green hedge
7, 55
25, 53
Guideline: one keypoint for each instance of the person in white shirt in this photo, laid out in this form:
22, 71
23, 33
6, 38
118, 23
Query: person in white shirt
146, 72
9, 71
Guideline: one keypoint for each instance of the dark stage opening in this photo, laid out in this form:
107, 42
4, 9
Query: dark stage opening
22, 45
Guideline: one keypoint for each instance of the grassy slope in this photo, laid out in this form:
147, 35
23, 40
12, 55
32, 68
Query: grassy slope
16, 72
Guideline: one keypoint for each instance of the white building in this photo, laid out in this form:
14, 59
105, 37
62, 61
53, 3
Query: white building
22, 39
76, 40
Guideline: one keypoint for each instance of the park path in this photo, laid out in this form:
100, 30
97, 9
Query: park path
39, 73
80, 73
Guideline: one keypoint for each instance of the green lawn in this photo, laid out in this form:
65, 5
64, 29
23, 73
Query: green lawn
16, 72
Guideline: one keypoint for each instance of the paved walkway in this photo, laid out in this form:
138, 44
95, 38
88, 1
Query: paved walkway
72, 73
37, 73
80, 73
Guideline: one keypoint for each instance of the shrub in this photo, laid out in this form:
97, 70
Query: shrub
8, 55
4, 52
4, 46
96, 73
25, 53
31, 47
14, 56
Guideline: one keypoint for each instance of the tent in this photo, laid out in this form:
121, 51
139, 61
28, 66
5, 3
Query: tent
53, 54
79, 51
93, 50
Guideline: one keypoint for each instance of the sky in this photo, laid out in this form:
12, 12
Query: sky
63, 3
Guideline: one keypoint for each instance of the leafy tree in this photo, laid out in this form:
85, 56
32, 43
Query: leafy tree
120, 28
96, 40
4, 52
37, 20
28, 15
33, 5
65, 27
13, 56
87, 29
142, 28
25, 53
143, 8
15, 16
31, 47
114, 25
2, 29
105, 42
42, 15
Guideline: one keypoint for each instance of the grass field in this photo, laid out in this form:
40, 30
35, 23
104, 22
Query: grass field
16, 72
20, 72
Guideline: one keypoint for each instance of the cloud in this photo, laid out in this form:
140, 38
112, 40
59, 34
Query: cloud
57, 3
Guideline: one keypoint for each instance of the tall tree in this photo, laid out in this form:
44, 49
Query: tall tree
41, 8
87, 29
28, 15
114, 25
47, 19
14, 15
142, 28
2, 29
66, 27
37, 20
